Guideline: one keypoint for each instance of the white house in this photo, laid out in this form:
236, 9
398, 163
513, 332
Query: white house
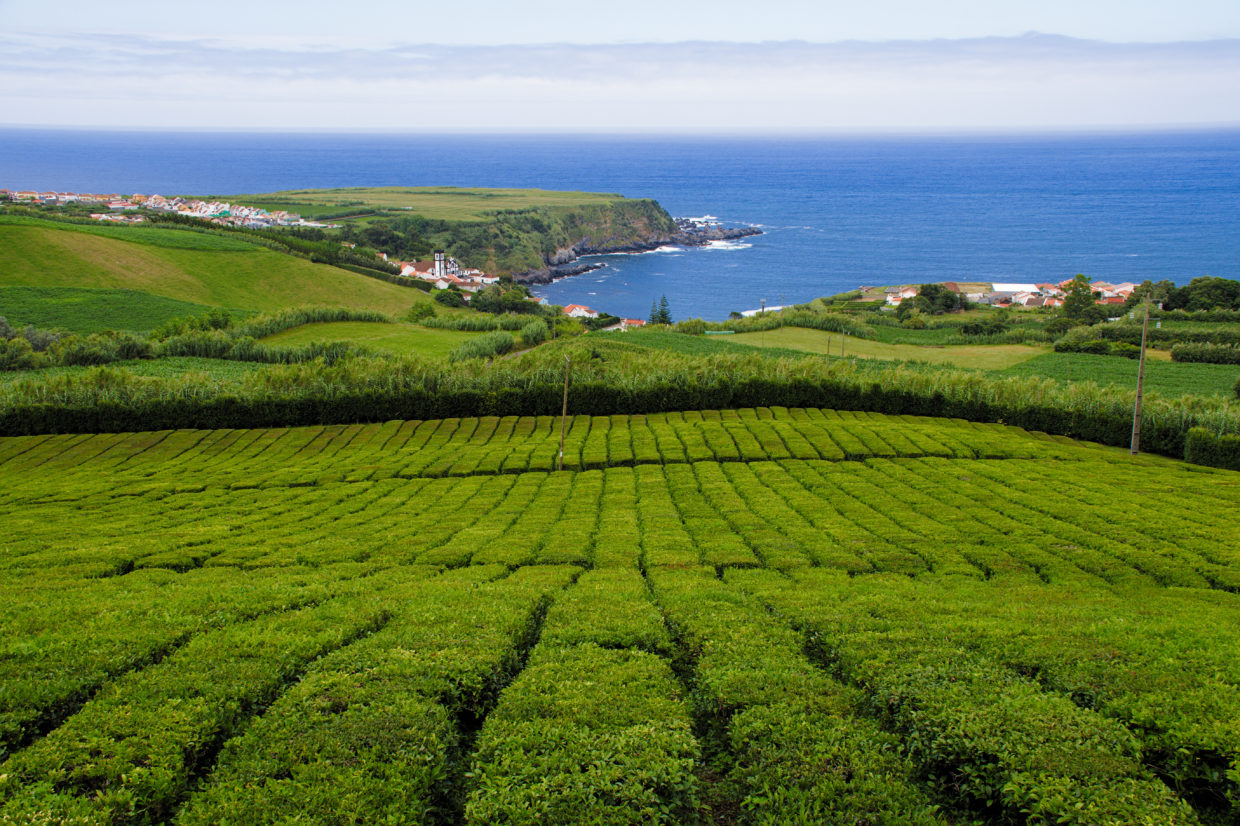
579, 311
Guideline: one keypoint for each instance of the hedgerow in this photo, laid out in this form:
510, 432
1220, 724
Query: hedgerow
1207, 353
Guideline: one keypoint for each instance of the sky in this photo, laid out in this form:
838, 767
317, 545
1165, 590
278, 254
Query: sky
637, 66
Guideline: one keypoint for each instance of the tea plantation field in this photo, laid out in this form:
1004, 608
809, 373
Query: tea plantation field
741, 616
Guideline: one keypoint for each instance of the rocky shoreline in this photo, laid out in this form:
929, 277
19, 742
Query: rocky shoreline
689, 233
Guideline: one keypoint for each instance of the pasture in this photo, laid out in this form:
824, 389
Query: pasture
186, 266
446, 203
760, 615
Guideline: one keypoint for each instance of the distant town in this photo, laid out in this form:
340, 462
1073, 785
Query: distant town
1010, 295
120, 208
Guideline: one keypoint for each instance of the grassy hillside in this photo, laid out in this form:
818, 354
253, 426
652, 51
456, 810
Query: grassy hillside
186, 266
876, 619
83, 310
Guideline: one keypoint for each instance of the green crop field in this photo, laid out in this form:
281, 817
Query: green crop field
1170, 378
182, 265
392, 338
444, 203
984, 356
741, 616
91, 311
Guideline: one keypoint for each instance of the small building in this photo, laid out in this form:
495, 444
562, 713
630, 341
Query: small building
579, 311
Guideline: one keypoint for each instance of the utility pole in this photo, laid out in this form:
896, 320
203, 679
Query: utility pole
843, 338
1136, 410
762, 315
563, 414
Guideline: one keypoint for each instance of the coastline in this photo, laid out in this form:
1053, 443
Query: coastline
564, 263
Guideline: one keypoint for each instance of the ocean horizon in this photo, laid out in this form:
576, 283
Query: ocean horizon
836, 212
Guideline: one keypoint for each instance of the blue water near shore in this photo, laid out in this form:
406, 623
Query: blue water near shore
836, 213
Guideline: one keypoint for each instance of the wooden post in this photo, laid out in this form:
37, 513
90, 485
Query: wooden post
1136, 410
563, 415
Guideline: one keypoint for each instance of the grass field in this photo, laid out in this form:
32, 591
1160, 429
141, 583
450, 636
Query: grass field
758, 615
393, 338
214, 371
91, 311
443, 203
1162, 375
983, 356
234, 275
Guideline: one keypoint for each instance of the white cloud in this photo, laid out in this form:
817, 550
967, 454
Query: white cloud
989, 83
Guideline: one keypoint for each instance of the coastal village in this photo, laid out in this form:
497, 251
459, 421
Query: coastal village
1000, 294
121, 207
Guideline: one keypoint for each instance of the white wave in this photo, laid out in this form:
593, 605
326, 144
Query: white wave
727, 245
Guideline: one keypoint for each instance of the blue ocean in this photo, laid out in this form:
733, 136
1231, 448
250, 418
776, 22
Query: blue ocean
836, 213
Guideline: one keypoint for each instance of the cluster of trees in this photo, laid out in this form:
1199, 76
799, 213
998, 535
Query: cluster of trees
931, 299
660, 313
1205, 293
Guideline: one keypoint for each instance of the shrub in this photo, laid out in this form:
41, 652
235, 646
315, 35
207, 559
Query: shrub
450, 298
535, 332
17, 354
420, 311
487, 345
1203, 447
692, 327
1206, 353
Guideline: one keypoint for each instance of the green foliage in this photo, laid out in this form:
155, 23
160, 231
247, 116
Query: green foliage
478, 322
1204, 294
450, 298
1206, 353
420, 312
1078, 302
1205, 448
534, 333
485, 346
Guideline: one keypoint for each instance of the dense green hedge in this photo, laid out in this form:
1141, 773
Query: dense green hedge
608, 377
1207, 353
1205, 448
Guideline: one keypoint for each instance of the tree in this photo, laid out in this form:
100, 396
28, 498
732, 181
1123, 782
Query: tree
1078, 302
936, 299
654, 312
1157, 292
665, 314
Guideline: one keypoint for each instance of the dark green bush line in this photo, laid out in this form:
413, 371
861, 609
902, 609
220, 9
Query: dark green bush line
478, 322
212, 335
1097, 347
787, 318
608, 378
1130, 332
1206, 353
1202, 447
